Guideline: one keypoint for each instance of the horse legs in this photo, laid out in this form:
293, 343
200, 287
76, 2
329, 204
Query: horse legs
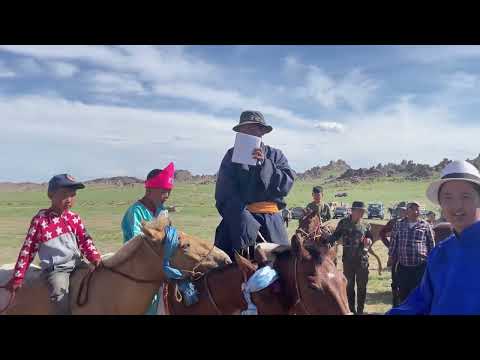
370, 251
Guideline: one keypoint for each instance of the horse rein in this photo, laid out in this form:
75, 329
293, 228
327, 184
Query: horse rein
87, 278
10, 301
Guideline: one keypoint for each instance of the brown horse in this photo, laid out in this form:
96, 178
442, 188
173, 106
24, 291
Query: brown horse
220, 293
442, 231
309, 284
310, 280
128, 280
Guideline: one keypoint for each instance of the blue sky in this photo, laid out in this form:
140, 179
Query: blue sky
96, 111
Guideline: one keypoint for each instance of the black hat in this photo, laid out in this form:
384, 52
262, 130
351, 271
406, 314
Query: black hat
359, 205
317, 190
252, 117
64, 180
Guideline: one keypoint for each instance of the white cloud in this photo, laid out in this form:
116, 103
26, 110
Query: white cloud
95, 140
354, 89
152, 63
62, 69
112, 83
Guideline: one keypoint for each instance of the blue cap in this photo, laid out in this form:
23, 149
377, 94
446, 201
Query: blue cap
64, 180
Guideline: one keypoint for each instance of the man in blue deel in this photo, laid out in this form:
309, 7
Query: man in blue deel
450, 284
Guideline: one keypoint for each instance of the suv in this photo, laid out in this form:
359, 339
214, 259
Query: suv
376, 210
340, 212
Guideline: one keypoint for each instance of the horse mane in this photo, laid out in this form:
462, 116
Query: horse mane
132, 246
125, 252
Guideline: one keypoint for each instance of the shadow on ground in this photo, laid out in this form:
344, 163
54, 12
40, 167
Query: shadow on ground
383, 297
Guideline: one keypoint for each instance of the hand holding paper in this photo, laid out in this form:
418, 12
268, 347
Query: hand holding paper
246, 146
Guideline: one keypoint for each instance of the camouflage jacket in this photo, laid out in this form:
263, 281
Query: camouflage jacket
352, 235
323, 210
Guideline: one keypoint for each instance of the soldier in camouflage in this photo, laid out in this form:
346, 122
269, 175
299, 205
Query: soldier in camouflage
357, 238
318, 206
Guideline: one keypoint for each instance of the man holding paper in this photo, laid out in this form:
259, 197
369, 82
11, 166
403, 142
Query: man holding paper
252, 182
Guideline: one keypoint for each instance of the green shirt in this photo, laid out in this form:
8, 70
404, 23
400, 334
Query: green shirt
352, 235
132, 226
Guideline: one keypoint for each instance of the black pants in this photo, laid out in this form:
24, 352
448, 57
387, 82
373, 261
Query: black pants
408, 278
395, 297
356, 271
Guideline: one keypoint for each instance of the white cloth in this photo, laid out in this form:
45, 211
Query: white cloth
260, 280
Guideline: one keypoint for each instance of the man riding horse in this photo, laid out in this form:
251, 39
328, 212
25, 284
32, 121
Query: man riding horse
250, 198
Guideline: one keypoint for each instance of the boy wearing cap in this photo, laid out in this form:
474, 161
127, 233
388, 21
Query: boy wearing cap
357, 238
250, 198
318, 206
450, 283
60, 238
410, 245
158, 187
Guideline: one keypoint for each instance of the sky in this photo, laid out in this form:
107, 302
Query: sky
100, 111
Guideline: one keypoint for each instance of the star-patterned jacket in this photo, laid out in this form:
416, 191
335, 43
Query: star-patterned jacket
59, 241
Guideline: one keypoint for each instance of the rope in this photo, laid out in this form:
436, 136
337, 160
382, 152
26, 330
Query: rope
10, 301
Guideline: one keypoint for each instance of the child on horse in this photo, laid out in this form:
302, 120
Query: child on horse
60, 238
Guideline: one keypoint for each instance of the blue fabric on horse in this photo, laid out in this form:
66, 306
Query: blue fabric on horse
260, 280
186, 287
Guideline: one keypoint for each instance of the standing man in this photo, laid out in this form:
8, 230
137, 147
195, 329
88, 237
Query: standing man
357, 238
410, 245
318, 206
250, 198
386, 231
158, 187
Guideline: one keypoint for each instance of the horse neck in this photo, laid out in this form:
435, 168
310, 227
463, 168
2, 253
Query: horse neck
144, 263
284, 266
225, 286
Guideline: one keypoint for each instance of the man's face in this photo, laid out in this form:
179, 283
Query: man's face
317, 197
357, 214
413, 212
63, 199
158, 196
460, 203
402, 213
253, 129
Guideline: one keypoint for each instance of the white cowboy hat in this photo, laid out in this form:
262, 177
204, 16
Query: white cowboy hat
456, 170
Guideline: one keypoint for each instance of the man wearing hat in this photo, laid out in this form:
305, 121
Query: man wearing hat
410, 245
450, 283
250, 198
388, 230
357, 238
158, 187
318, 206
60, 238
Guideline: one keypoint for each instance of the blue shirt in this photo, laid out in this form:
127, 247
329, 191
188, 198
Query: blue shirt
450, 285
132, 226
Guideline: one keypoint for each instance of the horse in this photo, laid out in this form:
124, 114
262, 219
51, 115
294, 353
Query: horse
220, 293
309, 284
127, 281
310, 280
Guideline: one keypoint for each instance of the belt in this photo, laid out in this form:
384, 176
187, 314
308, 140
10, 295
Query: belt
263, 207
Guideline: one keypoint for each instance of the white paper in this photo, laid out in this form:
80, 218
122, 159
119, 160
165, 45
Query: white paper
243, 149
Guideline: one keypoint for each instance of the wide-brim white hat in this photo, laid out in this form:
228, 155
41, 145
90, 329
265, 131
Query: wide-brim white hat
455, 171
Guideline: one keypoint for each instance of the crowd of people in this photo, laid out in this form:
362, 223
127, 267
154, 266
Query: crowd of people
427, 278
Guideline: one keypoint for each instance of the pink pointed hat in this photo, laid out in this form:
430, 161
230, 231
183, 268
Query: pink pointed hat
163, 180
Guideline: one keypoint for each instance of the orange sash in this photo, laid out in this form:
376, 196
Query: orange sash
263, 207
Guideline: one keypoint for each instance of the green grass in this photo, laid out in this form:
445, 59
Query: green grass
102, 209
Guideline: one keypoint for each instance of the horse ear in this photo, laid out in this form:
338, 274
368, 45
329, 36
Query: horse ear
298, 247
260, 256
246, 266
146, 229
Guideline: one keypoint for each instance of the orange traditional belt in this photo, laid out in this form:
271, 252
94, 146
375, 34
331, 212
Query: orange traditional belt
263, 207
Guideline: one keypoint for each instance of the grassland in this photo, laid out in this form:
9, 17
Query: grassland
102, 209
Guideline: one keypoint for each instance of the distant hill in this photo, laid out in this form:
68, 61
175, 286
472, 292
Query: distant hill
334, 171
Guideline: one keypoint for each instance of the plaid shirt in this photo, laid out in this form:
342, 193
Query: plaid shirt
410, 247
